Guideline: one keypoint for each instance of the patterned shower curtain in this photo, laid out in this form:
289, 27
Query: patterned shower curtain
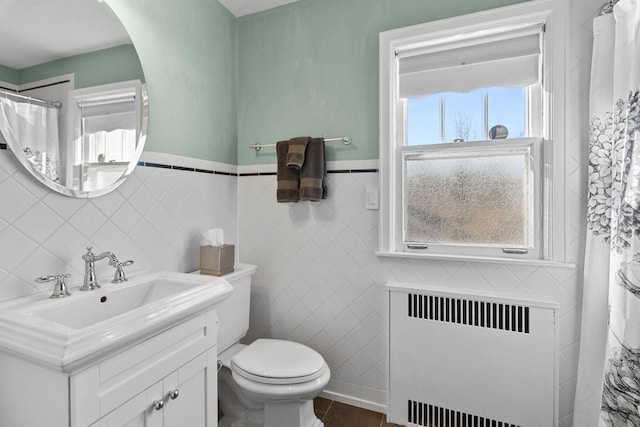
608, 384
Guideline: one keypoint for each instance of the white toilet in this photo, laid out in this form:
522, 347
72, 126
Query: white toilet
269, 383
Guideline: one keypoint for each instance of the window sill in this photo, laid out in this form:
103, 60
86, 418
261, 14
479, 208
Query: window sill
466, 258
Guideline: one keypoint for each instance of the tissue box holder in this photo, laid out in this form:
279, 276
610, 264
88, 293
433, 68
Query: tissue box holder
217, 260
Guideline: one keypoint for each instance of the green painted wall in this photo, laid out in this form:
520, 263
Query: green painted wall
311, 68
188, 52
8, 75
115, 64
217, 83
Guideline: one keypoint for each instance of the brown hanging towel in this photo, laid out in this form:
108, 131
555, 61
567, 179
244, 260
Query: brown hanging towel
313, 171
296, 153
288, 180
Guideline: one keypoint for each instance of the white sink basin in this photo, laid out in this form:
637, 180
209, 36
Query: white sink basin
70, 332
103, 305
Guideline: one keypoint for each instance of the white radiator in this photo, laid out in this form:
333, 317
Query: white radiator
471, 360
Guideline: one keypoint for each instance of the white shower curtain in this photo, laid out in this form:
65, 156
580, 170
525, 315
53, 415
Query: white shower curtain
32, 129
608, 384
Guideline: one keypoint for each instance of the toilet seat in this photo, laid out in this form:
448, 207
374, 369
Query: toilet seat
270, 361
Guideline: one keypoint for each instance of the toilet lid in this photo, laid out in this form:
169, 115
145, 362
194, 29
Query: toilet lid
278, 362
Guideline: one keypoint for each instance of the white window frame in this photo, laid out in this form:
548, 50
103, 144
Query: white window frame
552, 13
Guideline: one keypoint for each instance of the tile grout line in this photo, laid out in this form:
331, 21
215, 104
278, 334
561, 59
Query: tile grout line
328, 409
383, 418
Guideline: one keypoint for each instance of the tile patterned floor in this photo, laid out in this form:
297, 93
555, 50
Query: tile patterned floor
336, 414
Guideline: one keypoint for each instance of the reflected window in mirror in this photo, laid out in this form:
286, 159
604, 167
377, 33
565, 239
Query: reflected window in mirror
106, 122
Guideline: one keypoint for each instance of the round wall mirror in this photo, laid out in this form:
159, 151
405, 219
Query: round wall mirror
73, 100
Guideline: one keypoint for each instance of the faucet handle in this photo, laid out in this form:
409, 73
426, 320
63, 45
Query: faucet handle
60, 288
119, 276
89, 255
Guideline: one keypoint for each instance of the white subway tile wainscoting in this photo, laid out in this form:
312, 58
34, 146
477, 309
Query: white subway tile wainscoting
155, 218
319, 283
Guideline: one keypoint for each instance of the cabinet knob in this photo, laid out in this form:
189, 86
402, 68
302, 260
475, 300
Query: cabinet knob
158, 405
173, 394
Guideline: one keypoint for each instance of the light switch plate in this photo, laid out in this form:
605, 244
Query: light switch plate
371, 198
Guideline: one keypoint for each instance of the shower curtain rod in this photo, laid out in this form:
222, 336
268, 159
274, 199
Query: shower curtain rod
344, 139
30, 99
608, 7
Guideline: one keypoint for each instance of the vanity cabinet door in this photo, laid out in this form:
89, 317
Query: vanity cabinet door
140, 411
179, 400
169, 359
186, 395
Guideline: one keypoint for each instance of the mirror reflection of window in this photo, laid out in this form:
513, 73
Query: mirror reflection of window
108, 126
108, 130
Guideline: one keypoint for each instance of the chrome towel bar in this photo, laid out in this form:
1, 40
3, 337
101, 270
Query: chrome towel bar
344, 139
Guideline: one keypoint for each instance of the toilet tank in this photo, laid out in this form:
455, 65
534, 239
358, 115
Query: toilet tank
233, 313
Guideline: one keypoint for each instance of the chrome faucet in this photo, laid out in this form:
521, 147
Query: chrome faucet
90, 279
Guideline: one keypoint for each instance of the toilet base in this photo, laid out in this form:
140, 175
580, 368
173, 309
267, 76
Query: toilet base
290, 414
224, 422
275, 415
241, 411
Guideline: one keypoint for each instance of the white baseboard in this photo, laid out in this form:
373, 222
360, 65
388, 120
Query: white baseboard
354, 401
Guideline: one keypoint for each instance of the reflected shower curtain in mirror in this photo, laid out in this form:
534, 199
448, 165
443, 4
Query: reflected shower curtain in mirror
34, 130
608, 384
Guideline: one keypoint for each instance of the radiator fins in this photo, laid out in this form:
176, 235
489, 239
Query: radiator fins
492, 315
423, 414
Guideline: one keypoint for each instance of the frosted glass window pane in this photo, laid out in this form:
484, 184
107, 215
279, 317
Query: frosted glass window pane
423, 120
507, 108
458, 199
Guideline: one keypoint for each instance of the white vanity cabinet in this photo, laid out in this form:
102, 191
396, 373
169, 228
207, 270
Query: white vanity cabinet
177, 400
167, 379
